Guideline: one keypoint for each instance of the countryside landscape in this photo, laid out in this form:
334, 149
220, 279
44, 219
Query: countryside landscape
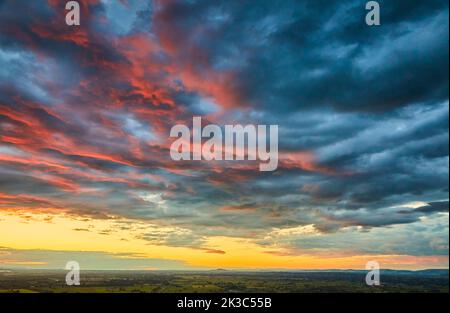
223, 281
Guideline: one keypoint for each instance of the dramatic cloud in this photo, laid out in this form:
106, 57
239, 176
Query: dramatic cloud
85, 115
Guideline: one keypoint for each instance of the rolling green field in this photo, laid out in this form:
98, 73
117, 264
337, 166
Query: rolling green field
25, 281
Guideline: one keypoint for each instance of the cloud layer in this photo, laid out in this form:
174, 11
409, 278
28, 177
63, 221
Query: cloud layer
85, 114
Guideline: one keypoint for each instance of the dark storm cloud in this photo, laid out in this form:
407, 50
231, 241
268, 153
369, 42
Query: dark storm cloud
428, 237
363, 114
292, 55
441, 206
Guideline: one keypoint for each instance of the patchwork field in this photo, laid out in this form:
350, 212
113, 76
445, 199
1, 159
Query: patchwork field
23, 281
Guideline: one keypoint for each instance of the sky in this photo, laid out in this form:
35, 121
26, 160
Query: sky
86, 112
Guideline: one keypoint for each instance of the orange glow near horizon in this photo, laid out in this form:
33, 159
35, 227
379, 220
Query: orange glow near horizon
62, 232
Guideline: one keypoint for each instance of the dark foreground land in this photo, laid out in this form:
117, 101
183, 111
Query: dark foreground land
436, 281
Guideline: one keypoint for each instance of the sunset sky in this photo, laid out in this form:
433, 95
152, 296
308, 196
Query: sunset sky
86, 112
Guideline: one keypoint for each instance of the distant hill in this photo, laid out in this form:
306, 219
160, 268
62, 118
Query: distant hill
427, 272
